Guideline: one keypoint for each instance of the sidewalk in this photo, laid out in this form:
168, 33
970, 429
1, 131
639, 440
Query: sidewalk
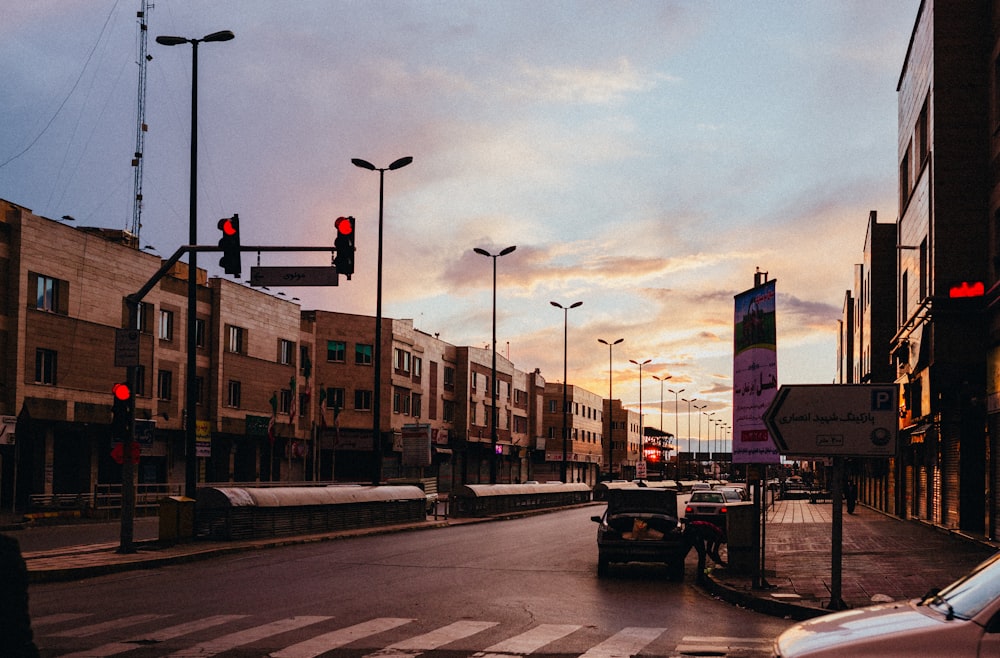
883, 558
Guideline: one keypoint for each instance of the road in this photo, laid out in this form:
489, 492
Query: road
516, 587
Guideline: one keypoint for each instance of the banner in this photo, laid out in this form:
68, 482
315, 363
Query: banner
755, 375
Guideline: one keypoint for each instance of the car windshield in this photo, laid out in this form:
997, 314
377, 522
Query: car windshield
968, 595
707, 497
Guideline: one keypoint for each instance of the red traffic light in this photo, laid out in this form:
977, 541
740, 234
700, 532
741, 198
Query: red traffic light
344, 226
121, 392
227, 226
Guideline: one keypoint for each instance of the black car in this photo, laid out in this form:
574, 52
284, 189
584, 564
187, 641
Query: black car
641, 525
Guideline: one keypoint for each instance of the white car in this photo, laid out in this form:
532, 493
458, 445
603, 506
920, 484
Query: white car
961, 620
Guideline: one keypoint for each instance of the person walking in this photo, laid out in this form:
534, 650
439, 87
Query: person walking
16, 638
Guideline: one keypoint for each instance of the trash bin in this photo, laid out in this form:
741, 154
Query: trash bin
176, 519
740, 546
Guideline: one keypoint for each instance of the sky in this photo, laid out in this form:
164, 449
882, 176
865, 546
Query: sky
646, 158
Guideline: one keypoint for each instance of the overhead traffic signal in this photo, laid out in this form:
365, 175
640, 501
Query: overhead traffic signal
230, 243
344, 246
122, 411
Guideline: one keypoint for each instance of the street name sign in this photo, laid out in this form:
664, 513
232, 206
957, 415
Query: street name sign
280, 276
858, 420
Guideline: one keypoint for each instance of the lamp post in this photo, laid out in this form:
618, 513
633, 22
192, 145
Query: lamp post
377, 399
676, 432
689, 429
565, 427
611, 406
642, 417
493, 384
191, 397
698, 410
663, 464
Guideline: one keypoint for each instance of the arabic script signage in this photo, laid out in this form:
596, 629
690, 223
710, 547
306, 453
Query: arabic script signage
755, 375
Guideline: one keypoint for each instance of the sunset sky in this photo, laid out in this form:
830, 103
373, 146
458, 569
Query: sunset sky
644, 157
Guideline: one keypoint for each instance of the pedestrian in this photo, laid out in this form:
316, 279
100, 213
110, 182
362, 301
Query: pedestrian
16, 639
705, 538
851, 495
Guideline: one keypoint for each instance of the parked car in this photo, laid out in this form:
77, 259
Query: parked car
707, 506
734, 494
640, 524
961, 620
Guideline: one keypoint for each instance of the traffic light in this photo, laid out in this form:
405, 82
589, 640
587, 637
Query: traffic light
122, 410
230, 243
344, 246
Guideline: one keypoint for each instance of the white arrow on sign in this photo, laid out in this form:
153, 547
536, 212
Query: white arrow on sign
858, 420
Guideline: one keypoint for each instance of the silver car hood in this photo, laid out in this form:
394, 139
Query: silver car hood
837, 632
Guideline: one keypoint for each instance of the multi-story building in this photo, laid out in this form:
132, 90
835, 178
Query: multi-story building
577, 433
621, 440
282, 394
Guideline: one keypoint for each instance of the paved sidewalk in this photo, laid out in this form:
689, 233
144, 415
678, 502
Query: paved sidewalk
883, 558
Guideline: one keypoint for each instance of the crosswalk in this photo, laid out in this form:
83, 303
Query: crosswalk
150, 635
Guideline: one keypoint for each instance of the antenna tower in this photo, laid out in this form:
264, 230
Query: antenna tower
140, 122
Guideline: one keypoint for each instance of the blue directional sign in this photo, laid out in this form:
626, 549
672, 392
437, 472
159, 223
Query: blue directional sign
858, 420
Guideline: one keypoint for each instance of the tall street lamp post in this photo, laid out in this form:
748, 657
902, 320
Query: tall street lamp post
642, 416
191, 398
611, 405
698, 410
565, 427
377, 400
663, 462
676, 434
493, 384
689, 430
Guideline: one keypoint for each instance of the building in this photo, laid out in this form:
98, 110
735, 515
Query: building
622, 440
574, 431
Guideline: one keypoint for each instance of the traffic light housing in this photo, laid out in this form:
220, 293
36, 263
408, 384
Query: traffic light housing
230, 243
122, 411
344, 246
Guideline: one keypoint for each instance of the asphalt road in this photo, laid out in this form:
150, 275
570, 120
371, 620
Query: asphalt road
509, 587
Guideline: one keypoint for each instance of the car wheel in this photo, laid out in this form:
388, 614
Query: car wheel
602, 567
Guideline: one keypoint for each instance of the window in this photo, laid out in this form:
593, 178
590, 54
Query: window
335, 398
417, 403
552, 407
237, 338
448, 411
363, 400
166, 325
140, 382
48, 294
449, 378
417, 367
233, 393
475, 380
199, 390
142, 317
199, 332
336, 350
285, 401
363, 354
45, 366
401, 360
164, 385
286, 350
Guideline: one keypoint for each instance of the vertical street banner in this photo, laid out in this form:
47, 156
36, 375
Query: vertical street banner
755, 375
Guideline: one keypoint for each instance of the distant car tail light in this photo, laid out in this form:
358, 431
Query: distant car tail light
722, 510
688, 509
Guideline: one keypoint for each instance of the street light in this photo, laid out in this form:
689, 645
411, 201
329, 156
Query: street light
663, 465
698, 410
377, 401
611, 406
676, 433
493, 384
565, 430
689, 429
190, 424
642, 417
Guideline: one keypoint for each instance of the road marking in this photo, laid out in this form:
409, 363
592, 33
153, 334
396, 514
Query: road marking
49, 620
338, 638
626, 642
238, 639
434, 639
162, 635
529, 641
695, 644
114, 624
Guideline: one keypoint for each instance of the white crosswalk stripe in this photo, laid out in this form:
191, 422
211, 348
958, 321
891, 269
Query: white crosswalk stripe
241, 638
402, 638
161, 635
338, 638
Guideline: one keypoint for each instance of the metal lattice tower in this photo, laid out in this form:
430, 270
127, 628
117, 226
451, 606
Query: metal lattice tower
140, 122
